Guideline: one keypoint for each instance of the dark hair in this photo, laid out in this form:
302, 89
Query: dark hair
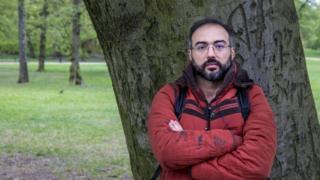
207, 20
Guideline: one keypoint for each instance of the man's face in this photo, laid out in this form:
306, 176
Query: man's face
211, 54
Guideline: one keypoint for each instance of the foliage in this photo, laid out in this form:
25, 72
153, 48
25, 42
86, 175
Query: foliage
8, 27
309, 20
59, 27
48, 117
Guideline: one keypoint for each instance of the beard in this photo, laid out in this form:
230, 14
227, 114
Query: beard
215, 75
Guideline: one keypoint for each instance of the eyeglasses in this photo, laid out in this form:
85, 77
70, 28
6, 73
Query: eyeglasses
218, 47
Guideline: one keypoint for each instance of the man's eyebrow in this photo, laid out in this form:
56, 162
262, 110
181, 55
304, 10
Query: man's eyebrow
201, 42
204, 42
220, 41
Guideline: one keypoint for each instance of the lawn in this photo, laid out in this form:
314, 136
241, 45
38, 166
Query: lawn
60, 130
314, 72
50, 129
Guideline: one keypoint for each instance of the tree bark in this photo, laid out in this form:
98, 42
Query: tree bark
23, 66
75, 77
43, 28
144, 45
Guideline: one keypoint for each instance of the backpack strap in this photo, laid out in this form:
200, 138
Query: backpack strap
244, 103
179, 102
156, 173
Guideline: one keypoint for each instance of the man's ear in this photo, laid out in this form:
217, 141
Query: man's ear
190, 55
233, 53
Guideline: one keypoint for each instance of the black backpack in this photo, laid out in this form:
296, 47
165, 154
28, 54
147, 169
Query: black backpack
179, 103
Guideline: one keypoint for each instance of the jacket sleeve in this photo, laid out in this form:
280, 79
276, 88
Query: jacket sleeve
177, 150
253, 159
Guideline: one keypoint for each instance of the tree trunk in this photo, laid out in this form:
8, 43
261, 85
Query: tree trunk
75, 77
144, 45
23, 66
43, 28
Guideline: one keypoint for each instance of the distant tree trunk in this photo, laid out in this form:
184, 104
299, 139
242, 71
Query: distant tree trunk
43, 28
144, 46
23, 68
30, 46
57, 52
75, 77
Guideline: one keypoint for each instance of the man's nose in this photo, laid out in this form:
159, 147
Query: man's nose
211, 52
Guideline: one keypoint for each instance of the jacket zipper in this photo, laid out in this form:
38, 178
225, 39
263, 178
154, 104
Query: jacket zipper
208, 116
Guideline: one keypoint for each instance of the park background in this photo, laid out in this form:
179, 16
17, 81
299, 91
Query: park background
53, 127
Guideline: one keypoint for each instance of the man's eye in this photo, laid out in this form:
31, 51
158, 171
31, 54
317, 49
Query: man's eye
219, 46
201, 47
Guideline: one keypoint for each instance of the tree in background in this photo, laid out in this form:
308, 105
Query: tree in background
34, 20
309, 19
75, 77
8, 27
31, 51
58, 32
23, 68
60, 29
42, 54
144, 47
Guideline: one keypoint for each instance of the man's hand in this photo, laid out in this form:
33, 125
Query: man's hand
175, 126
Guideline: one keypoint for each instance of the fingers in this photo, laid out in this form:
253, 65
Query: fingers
178, 126
175, 126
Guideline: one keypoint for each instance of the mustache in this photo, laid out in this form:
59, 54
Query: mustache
211, 61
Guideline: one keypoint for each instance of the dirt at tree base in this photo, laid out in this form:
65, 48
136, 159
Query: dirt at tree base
31, 167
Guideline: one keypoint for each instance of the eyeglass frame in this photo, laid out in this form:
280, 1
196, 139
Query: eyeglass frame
214, 46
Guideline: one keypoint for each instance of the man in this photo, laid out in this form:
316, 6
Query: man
211, 139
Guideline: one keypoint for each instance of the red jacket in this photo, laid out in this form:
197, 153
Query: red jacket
217, 153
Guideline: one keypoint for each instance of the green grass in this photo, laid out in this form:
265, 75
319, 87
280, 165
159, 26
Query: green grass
49, 117
314, 72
